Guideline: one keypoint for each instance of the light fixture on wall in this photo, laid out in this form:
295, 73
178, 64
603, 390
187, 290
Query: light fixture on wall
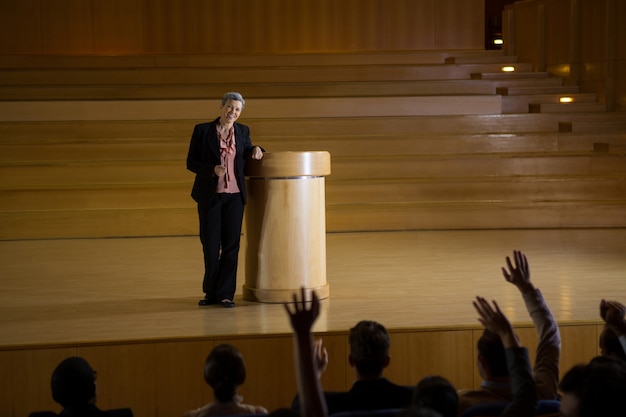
498, 41
507, 69
566, 99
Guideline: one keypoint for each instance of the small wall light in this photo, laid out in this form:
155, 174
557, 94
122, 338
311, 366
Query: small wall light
507, 69
566, 99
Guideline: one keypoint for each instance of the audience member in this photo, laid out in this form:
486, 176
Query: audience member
523, 389
613, 337
73, 385
433, 394
224, 371
595, 389
369, 356
496, 386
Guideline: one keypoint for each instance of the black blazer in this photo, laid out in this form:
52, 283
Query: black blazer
204, 155
373, 394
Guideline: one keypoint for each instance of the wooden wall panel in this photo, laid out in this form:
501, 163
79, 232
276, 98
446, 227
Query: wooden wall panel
20, 26
618, 48
126, 375
456, 23
527, 32
179, 370
446, 353
338, 375
558, 32
583, 41
411, 25
30, 379
211, 26
67, 27
269, 364
579, 345
117, 26
7, 393
166, 377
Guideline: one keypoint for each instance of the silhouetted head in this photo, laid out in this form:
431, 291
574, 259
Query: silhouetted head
610, 344
438, 394
369, 348
73, 383
491, 356
595, 389
224, 371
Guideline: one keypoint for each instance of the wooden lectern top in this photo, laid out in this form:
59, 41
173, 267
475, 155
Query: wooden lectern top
289, 164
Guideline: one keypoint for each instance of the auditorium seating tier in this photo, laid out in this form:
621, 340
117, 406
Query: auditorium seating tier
96, 146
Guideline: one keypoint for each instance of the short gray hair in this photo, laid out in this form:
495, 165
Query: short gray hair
233, 95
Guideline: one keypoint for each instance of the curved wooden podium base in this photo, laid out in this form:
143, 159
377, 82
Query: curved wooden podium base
280, 296
286, 226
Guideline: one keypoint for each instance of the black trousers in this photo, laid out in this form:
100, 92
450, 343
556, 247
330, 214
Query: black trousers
220, 234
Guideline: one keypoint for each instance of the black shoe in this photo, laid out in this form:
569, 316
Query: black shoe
207, 302
226, 303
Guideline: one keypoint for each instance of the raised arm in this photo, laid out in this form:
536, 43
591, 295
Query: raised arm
613, 313
302, 315
522, 383
547, 356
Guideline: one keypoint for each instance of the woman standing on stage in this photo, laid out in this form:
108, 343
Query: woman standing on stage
217, 155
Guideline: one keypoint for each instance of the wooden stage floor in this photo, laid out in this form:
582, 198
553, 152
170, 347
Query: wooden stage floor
60, 292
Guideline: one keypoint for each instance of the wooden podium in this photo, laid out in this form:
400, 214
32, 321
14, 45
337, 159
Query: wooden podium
286, 226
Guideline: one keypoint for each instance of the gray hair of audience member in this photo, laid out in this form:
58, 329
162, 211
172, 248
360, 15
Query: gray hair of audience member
235, 96
73, 382
224, 371
369, 347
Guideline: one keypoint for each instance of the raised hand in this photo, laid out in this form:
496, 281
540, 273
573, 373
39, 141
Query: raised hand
307, 354
304, 313
518, 274
495, 321
613, 313
321, 357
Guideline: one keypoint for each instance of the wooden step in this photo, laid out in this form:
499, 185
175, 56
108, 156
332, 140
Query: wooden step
566, 107
234, 75
481, 59
259, 109
60, 224
339, 218
100, 173
531, 90
142, 149
584, 124
351, 192
491, 189
446, 144
97, 197
246, 59
475, 166
293, 128
518, 215
501, 75
526, 103
607, 122
534, 82
249, 90
99, 149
